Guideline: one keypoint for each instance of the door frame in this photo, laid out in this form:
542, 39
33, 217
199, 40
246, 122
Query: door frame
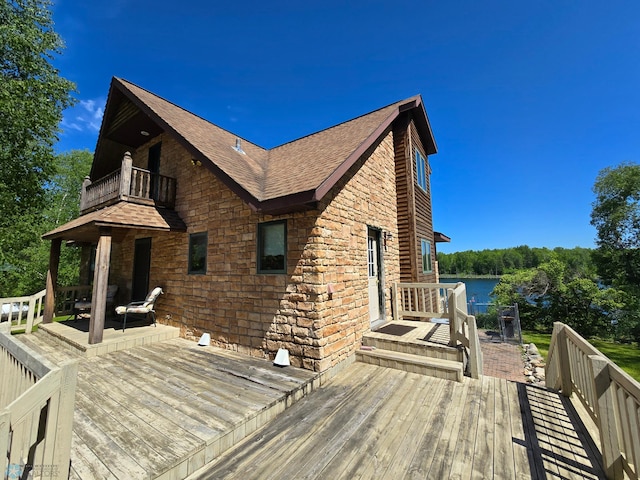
143, 243
377, 235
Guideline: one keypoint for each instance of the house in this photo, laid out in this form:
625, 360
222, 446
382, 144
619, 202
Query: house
291, 247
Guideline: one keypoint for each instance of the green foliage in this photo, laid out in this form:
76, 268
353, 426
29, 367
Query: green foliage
555, 292
32, 98
29, 257
624, 356
616, 217
509, 260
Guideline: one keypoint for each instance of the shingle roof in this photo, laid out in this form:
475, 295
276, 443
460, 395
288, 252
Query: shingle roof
121, 215
300, 171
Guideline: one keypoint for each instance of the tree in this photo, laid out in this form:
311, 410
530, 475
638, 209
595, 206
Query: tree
62, 200
616, 216
32, 98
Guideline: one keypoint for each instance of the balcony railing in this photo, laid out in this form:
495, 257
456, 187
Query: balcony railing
129, 183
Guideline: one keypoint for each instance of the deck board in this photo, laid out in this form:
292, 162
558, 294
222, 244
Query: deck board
163, 410
395, 424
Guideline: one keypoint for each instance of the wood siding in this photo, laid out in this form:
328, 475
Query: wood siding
415, 220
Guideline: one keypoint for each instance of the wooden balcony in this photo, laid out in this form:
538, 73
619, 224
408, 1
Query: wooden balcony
129, 183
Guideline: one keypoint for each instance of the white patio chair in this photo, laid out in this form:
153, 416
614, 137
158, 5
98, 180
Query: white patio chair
145, 307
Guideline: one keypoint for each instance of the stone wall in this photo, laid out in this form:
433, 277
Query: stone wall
257, 314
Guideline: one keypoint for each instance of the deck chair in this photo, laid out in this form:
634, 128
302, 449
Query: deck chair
84, 306
144, 308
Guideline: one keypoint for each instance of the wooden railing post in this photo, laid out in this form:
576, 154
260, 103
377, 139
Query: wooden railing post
83, 195
606, 411
125, 175
453, 328
395, 302
475, 354
563, 359
60, 421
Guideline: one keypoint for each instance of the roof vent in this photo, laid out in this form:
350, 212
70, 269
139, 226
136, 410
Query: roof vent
238, 147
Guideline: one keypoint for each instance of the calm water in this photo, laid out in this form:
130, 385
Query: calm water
478, 289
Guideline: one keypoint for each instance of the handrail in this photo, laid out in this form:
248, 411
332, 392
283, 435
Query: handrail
23, 312
129, 183
36, 411
610, 396
442, 300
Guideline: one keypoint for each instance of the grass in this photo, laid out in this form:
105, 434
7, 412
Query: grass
626, 356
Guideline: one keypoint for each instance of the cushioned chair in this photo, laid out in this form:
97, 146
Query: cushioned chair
84, 305
144, 308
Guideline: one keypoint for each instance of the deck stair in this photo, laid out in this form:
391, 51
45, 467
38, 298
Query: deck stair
412, 346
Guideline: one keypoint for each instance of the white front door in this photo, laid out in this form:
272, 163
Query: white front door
373, 254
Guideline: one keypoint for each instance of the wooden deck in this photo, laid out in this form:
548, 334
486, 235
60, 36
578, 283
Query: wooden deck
174, 410
372, 422
164, 410
74, 334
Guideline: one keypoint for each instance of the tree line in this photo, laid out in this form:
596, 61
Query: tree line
509, 260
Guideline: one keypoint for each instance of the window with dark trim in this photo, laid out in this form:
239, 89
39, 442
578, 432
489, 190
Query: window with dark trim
272, 247
421, 171
426, 256
198, 253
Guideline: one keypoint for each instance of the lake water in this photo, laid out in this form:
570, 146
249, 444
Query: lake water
478, 289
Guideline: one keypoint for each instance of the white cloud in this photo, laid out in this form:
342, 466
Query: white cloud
85, 116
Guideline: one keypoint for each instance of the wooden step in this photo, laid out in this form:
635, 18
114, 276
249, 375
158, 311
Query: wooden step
434, 367
424, 349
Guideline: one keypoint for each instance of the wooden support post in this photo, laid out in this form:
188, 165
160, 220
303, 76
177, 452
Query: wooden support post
100, 283
451, 305
52, 281
563, 359
125, 175
606, 410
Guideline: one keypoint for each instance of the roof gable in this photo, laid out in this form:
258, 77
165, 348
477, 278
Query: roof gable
293, 174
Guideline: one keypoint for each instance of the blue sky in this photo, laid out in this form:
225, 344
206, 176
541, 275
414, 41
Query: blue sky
528, 101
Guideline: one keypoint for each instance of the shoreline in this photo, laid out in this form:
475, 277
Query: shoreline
470, 275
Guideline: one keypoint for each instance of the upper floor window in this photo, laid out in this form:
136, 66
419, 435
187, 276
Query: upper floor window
198, 253
426, 256
272, 247
421, 171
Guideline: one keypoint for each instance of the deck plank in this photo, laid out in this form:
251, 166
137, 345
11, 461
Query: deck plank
503, 451
415, 455
382, 436
519, 442
442, 457
462, 463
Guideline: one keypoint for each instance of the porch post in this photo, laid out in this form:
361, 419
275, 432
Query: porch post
52, 281
100, 283
125, 176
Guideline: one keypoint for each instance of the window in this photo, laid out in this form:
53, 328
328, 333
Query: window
421, 171
198, 253
426, 256
272, 247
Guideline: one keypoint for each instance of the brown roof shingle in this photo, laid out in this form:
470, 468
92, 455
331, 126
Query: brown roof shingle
299, 171
120, 215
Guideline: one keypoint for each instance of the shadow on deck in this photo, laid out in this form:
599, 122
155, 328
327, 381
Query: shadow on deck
372, 422
173, 410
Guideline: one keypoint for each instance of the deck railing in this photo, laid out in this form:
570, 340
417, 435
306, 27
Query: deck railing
442, 300
610, 395
36, 412
22, 313
131, 184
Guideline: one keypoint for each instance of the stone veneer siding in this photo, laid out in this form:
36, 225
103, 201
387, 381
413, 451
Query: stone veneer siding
256, 313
